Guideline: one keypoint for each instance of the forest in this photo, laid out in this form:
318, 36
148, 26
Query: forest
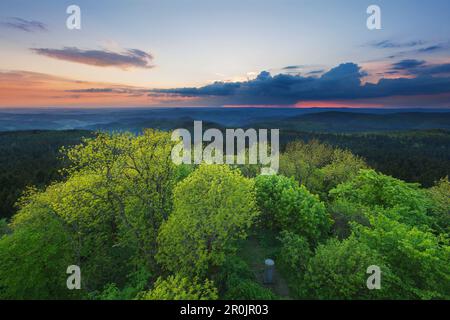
32, 158
141, 227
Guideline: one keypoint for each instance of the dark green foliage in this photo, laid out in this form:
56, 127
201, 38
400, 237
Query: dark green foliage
343, 212
31, 158
239, 283
294, 253
137, 282
412, 156
4, 228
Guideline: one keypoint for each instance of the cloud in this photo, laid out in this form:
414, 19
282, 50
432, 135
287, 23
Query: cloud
428, 84
437, 69
117, 90
315, 72
433, 48
407, 64
132, 58
419, 68
389, 44
341, 82
24, 25
92, 90
292, 67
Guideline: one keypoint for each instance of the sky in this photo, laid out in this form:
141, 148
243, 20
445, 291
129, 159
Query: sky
299, 53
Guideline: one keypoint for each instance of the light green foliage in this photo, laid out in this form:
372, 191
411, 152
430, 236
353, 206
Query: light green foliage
126, 183
117, 193
420, 259
338, 271
318, 166
343, 166
439, 196
245, 289
287, 206
399, 200
212, 207
35, 256
181, 288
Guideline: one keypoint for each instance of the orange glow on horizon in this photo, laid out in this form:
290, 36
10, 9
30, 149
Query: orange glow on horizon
337, 104
29, 89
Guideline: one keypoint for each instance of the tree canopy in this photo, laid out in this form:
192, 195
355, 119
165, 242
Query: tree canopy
141, 227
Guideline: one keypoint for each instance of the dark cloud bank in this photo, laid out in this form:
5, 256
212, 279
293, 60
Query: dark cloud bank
342, 82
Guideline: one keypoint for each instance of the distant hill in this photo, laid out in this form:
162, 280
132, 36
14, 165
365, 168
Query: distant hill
335, 121
315, 120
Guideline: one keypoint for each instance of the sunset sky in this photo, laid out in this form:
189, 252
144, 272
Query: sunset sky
301, 53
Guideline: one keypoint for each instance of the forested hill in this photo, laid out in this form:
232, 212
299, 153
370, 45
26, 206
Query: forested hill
32, 158
317, 120
336, 121
421, 156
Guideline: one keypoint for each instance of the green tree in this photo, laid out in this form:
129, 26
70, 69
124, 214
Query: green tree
117, 193
439, 196
124, 183
295, 252
245, 289
35, 256
338, 271
319, 166
287, 206
181, 288
402, 201
212, 207
419, 258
